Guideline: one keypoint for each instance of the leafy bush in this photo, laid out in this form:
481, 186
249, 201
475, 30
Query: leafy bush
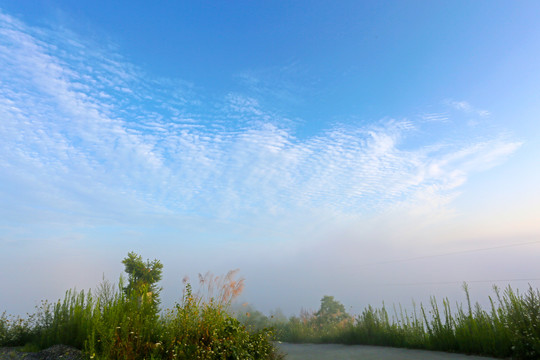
125, 323
510, 329
16, 331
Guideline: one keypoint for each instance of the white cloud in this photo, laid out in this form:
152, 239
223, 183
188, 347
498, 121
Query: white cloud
86, 133
92, 148
279, 83
467, 108
435, 117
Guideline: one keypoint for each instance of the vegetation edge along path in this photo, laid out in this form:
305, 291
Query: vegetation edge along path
126, 322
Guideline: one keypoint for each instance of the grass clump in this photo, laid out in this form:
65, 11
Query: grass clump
511, 328
204, 330
16, 331
124, 322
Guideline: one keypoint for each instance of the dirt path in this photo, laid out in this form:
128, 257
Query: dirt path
363, 352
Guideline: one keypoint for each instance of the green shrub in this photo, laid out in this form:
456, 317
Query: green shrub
125, 323
510, 329
16, 331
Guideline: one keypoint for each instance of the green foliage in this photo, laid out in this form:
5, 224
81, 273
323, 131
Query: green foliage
142, 277
16, 331
331, 313
510, 329
66, 322
123, 327
123, 322
204, 330
324, 326
30, 347
117, 323
252, 319
521, 317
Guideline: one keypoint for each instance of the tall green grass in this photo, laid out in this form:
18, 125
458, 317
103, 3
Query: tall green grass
510, 328
112, 325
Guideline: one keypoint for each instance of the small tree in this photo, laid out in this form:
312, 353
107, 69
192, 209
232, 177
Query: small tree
142, 277
331, 313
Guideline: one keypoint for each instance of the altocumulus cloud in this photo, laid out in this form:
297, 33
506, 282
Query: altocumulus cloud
87, 137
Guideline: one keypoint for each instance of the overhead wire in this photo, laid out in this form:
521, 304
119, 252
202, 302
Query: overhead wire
459, 282
450, 253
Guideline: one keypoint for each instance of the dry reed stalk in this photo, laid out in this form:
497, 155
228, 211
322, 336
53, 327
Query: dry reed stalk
221, 290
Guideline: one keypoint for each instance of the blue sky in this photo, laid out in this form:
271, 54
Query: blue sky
320, 148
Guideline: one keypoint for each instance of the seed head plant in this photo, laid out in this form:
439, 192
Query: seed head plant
124, 321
